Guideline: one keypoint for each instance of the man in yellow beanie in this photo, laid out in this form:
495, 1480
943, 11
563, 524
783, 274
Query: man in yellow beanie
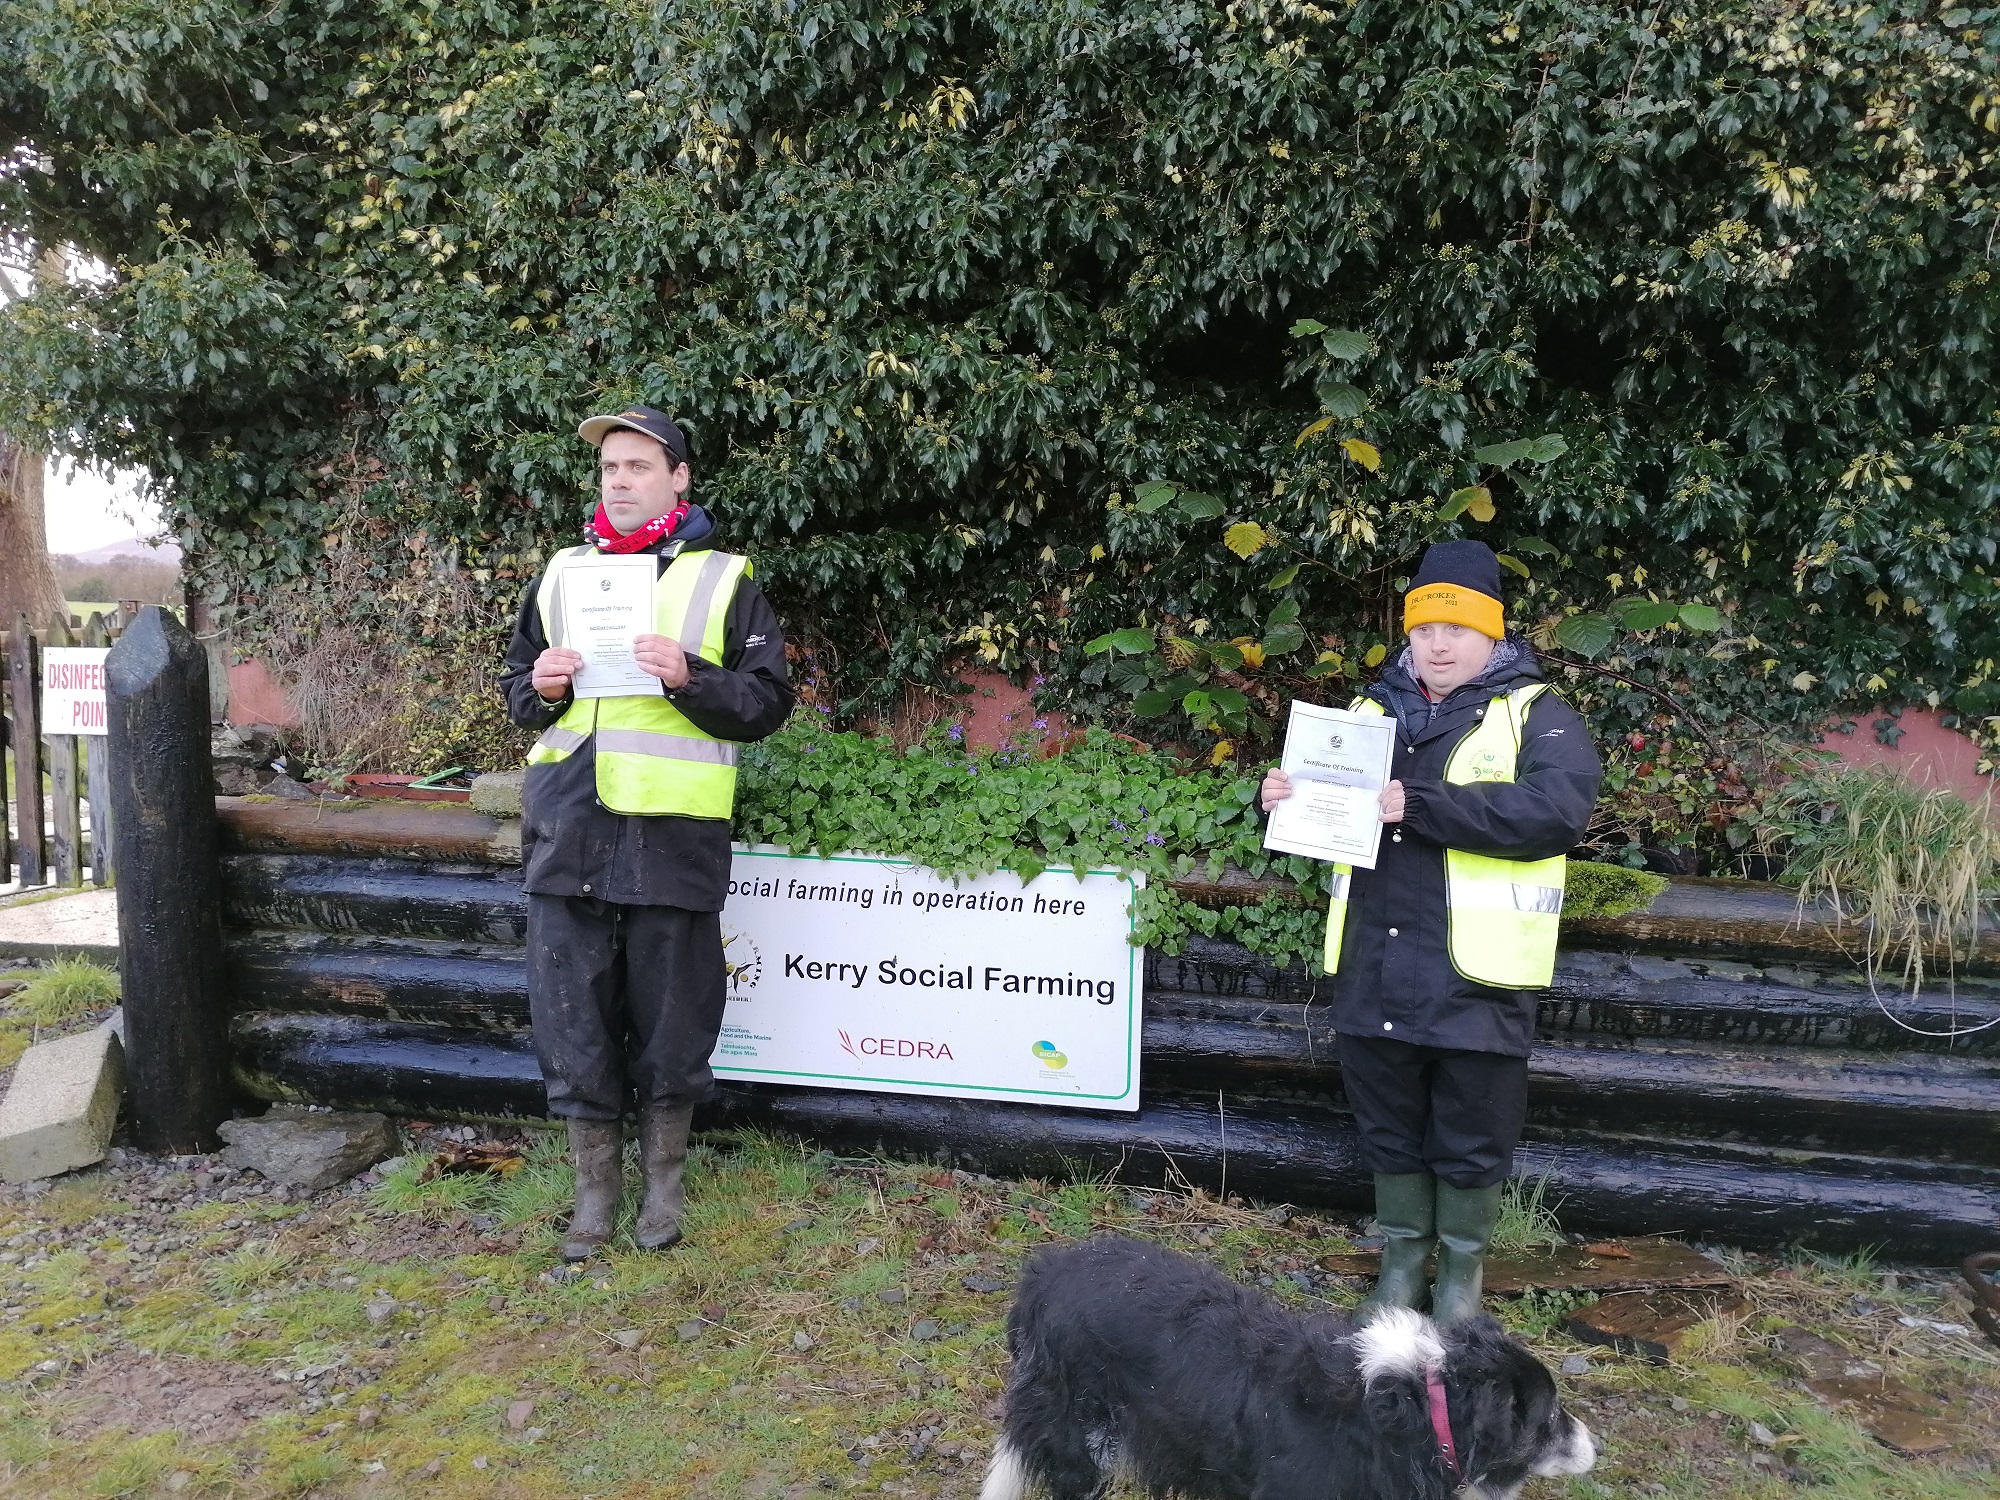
1436, 953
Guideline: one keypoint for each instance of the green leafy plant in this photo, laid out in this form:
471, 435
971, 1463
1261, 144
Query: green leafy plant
1918, 865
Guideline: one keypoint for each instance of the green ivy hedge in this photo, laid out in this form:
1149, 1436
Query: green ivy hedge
937, 287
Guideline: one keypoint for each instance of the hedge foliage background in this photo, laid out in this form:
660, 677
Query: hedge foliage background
935, 287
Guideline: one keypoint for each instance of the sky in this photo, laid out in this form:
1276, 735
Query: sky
87, 510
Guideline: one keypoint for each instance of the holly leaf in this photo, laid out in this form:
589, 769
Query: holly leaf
1341, 399
1701, 617
1153, 494
1246, 539
1534, 546
1586, 635
1197, 507
1365, 454
1344, 344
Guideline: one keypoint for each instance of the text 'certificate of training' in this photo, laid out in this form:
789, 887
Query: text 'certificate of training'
1339, 763
606, 601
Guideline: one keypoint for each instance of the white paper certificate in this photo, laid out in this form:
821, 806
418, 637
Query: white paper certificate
605, 602
1339, 763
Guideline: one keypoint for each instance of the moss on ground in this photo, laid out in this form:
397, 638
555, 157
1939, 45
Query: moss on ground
830, 1326
1600, 890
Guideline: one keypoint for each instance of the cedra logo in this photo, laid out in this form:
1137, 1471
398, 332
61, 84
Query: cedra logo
1048, 1057
894, 1046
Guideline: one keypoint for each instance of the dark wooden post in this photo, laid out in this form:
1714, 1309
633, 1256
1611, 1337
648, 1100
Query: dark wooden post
23, 658
65, 809
169, 891
97, 777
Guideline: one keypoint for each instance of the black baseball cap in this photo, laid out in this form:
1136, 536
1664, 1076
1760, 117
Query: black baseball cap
656, 425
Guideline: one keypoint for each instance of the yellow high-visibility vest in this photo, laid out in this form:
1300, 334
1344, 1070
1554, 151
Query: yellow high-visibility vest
1502, 914
651, 758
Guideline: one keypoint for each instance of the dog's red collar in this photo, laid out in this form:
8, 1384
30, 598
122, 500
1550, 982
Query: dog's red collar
1441, 1421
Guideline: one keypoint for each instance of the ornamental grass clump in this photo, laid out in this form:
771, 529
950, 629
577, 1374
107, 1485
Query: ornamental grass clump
1915, 865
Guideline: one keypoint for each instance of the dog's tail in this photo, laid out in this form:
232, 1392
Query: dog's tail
1006, 1475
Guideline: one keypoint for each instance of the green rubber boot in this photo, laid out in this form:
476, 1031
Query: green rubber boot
1466, 1218
1405, 1208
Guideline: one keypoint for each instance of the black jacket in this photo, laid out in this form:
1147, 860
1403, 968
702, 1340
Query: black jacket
1396, 979
571, 844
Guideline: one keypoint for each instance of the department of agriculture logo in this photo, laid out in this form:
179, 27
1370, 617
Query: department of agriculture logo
1047, 1056
741, 962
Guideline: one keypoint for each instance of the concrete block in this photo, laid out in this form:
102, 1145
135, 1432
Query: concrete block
498, 793
62, 1105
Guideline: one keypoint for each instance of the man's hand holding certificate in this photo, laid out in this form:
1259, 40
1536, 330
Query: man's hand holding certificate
1338, 763
606, 601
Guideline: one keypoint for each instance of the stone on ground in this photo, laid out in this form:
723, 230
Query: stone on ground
498, 793
308, 1149
62, 1105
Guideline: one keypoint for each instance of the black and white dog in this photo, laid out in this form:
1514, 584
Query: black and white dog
1130, 1359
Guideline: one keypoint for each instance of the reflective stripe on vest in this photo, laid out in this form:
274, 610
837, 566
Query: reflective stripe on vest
1502, 914
651, 758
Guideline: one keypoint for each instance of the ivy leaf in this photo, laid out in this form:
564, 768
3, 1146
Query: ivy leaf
1284, 577
1282, 613
1200, 507
1504, 455
1128, 642
1365, 454
1701, 617
1305, 328
1311, 431
1246, 539
1586, 635
1153, 494
1281, 640
1341, 399
1512, 564
1151, 704
1344, 344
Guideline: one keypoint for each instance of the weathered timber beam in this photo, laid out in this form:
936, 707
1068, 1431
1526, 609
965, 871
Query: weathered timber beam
1267, 1148
364, 828
377, 897
405, 979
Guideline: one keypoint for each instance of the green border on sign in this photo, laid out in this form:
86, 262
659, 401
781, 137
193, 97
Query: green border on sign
1132, 882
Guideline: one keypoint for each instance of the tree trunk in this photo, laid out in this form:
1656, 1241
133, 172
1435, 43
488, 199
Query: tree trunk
27, 582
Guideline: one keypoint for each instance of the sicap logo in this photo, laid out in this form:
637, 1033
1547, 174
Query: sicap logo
895, 1046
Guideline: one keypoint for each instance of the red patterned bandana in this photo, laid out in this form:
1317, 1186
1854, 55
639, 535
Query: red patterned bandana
605, 535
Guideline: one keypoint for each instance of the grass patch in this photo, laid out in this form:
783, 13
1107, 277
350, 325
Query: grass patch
64, 992
1527, 1218
762, 1360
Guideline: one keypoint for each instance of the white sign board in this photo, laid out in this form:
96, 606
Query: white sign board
73, 689
861, 973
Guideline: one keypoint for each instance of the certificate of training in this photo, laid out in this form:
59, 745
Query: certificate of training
1339, 763
605, 602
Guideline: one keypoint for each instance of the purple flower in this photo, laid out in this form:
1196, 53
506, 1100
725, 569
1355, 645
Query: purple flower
811, 749
1154, 838
1041, 723
823, 708
1116, 824
1040, 680
957, 733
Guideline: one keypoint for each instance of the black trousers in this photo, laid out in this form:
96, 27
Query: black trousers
623, 995
1456, 1115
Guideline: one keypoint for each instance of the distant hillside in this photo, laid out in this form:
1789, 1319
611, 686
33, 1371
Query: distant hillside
130, 547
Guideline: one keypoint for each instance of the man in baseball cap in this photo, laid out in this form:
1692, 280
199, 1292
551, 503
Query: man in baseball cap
625, 824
